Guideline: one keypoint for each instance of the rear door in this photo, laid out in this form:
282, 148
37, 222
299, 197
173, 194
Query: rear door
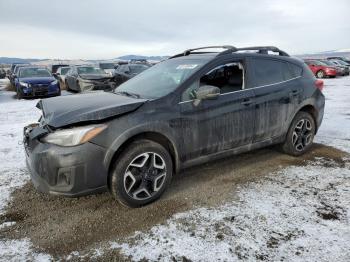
276, 88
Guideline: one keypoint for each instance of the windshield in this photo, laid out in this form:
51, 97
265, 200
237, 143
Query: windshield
162, 78
107, 66
34, 72
341, 62
64, 70
136, 69
90, 70
329, 63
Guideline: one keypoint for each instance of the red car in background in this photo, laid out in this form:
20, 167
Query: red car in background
320, 69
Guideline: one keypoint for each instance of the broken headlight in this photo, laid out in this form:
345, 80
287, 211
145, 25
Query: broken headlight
73, 136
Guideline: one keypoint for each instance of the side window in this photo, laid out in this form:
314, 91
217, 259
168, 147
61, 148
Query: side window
228, 77
295, 70
268, 71
123, 68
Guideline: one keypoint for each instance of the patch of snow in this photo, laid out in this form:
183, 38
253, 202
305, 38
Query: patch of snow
335, 129
7, 224
298, 214
20, 250
15, 114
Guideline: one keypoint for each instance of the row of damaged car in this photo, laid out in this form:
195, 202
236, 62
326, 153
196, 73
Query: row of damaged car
84, 78
42, 81
329, 67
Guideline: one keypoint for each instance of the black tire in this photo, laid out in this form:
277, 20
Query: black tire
320, 74
127, 182
300, 134
19, 94
67, 86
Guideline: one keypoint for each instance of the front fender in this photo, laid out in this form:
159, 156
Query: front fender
154, 127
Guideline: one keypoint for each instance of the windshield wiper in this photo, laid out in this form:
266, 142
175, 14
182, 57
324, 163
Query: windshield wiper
125, 93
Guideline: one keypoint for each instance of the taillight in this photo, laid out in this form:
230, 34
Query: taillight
319, 84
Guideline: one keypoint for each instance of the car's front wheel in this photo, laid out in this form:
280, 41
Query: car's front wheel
141, 174
300, 134
320, 74
19, 94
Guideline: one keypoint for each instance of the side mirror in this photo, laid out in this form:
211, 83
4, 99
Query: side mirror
206, 92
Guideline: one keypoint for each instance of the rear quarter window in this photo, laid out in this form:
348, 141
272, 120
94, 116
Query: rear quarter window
272, 71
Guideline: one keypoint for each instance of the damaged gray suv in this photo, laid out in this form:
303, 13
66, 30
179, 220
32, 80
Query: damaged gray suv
190, 109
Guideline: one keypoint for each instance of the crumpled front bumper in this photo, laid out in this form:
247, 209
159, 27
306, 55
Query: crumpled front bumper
68, 171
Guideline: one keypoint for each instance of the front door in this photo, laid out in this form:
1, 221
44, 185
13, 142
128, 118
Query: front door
223, 123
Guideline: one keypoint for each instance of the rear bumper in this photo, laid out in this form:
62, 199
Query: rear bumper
320, 105
68, 171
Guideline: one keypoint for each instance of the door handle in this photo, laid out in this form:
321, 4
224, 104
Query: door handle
247, 101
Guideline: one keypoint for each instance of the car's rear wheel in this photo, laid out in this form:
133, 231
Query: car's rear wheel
320, 74
300, 134
141, 174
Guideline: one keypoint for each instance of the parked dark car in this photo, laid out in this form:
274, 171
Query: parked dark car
126, 71
190, 109
36, 82
346, 60
321, 70
55, 67
14, 72
343, 69
340, 63
108, 67
2, 73
12, 68
88, 78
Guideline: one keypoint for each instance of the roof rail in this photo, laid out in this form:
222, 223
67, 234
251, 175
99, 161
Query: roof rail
229, 49
263, 50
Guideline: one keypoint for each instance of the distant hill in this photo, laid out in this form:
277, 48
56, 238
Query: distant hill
340, 52
11, 60
154, 58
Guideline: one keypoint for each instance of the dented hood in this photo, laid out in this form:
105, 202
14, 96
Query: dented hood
67, 110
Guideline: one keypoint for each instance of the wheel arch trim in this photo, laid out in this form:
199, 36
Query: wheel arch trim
160, 135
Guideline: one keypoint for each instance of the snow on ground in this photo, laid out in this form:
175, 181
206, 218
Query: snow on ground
299, 213
335, 129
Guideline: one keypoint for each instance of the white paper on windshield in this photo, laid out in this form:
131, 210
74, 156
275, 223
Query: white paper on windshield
188, 66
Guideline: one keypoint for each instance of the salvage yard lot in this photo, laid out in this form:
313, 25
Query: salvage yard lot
261, 205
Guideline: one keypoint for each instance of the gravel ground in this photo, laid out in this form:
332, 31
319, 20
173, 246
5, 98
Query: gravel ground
262, 205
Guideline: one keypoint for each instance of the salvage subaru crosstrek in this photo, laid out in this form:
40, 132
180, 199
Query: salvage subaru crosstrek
192, 108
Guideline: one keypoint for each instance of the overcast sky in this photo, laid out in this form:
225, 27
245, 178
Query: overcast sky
97, 29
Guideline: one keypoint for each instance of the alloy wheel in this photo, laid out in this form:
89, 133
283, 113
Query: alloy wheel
320, 74
145, 176
302, 134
